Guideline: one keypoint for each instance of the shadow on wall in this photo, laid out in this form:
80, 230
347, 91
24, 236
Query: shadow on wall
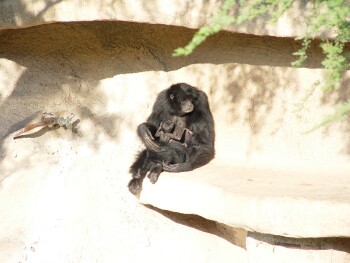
259, 88
340, 96
344, 96
243, 93
8, 16
39, 89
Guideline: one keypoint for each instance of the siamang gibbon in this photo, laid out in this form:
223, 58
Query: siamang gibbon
179, 135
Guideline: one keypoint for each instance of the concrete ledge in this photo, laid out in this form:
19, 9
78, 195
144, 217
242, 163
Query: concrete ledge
291, 204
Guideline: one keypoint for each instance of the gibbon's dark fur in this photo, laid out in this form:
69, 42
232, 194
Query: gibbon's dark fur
190, 105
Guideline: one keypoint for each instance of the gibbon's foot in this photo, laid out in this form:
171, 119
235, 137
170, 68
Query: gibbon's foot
135, 185
153, 176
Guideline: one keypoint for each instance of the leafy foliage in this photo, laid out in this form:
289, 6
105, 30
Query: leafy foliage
327, 18
215, 24
249, 9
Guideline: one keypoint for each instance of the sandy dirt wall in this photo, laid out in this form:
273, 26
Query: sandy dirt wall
108, 74
63, 192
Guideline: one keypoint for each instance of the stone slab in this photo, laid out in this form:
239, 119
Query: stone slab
78, 209
286, 203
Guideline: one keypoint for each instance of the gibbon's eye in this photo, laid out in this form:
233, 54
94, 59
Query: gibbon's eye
172, 96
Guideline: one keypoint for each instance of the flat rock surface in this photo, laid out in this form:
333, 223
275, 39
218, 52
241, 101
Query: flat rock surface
78, 209
286, 203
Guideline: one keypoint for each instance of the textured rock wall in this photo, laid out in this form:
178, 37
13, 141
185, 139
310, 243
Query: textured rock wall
108, 74
63, 193
193, 14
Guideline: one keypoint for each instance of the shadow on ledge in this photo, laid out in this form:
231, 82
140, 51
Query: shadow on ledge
235, 236
339, 244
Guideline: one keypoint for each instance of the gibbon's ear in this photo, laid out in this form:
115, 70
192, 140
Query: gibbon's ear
172, 96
